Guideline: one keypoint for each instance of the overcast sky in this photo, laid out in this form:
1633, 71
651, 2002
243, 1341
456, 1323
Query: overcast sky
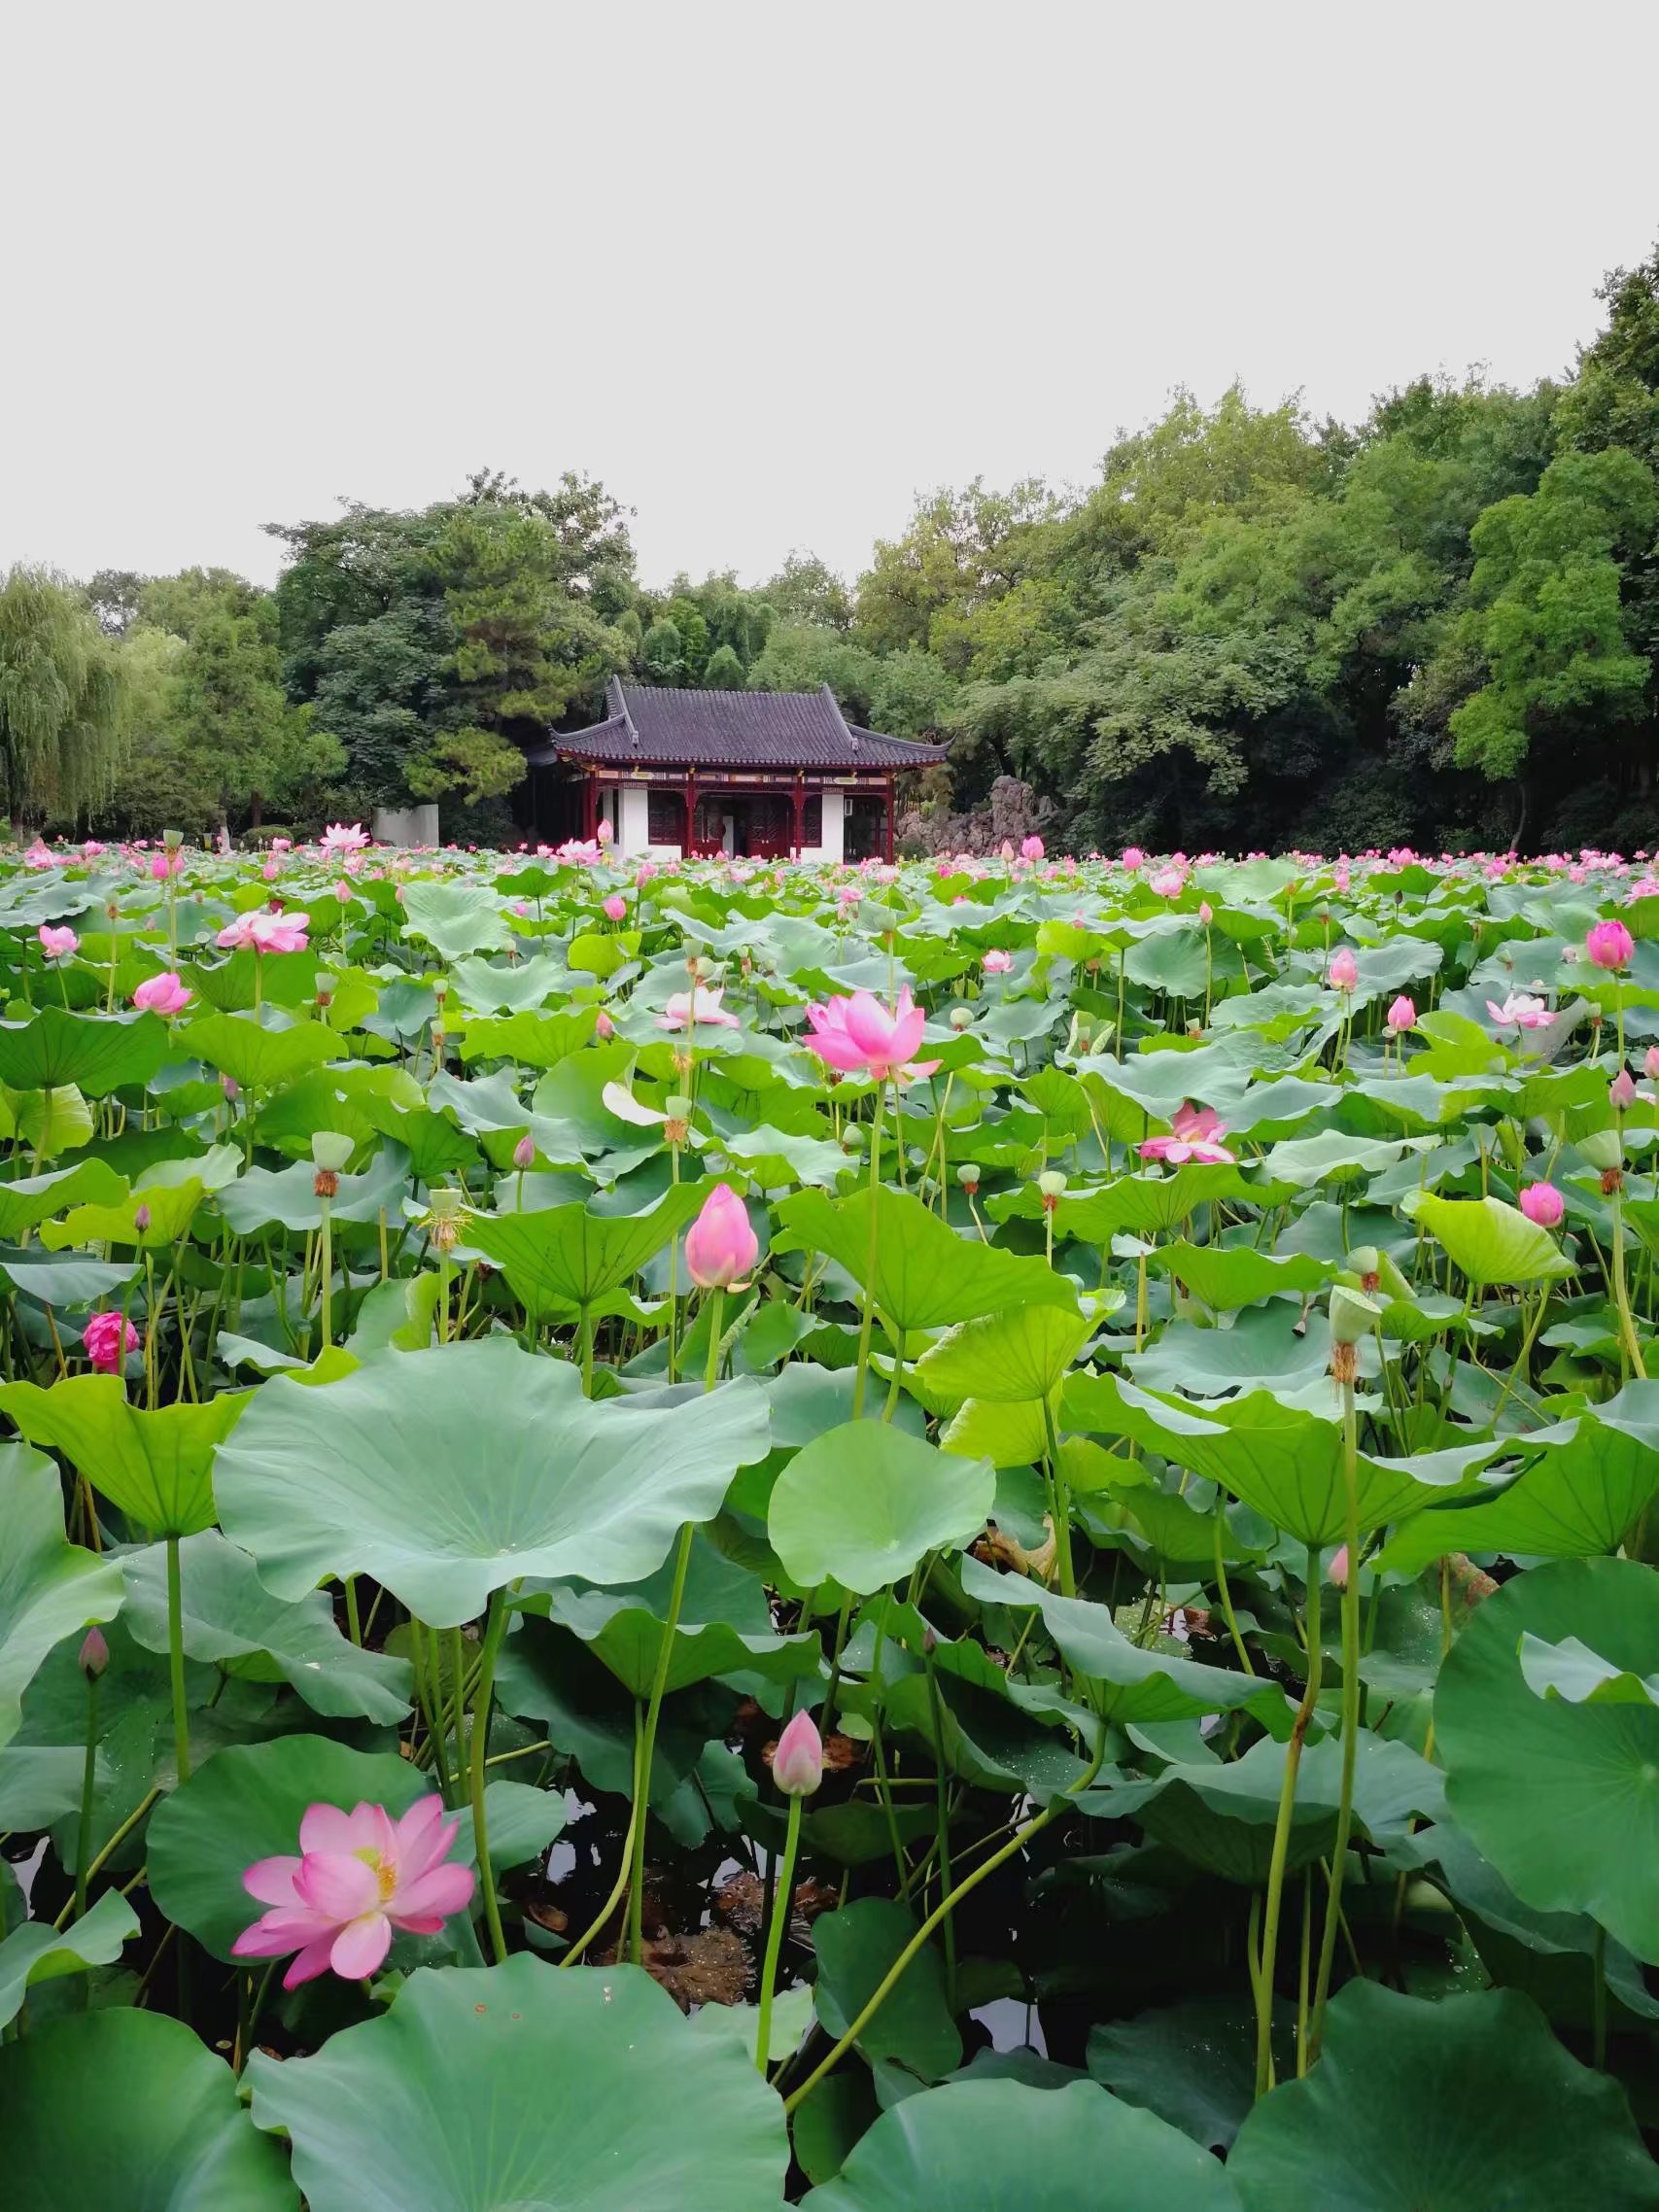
767, 270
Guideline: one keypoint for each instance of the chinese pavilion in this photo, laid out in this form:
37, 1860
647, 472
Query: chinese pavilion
762, 774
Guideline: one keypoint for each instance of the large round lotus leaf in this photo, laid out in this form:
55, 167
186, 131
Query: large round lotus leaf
49, 1587
865, 1503
522, 2088
125, 2111
447, 1473
1563, 1798
1003, 2147
246, 1804
1470, 2105
157, 1467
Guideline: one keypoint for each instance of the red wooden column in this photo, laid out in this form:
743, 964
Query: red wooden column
690, 817
798, 796
889, 821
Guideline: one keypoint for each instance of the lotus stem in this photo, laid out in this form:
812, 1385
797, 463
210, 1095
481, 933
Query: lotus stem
775, 1934
1282, 1834
868, 1313
648, 1745
1350, 1712
88, 1785
176, 1661
493, 1628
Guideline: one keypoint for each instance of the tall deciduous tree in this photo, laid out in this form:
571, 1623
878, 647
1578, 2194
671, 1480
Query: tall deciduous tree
64, 699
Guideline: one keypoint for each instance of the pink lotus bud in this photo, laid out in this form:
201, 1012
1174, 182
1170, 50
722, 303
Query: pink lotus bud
1610, 945
997, 963
141, 1218
1543, 1202
164, 994
1134, 858
524, 1152
616, 906
343, 892
1401, 1016
1621, 1091
603, 1026
606, 833
1337, 1571
1651, 1062
94, 1654
1032, 848
231, 1089
798, 1762
1206, 913
720, 1246
106, 1341
1344, 970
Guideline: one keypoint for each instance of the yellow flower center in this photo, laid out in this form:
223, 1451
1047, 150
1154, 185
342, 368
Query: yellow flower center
386, 1874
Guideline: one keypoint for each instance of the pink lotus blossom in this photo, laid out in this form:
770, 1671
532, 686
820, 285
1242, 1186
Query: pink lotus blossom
693, 1006
997, 963
720, 1246
797, 1759
1337, 1571
1134, 858
1403, 1015
40, 856
858, 1035
271, 870
1032, 848
164, 994
1621, 1091
644, 873
266, 932
1520, 1012
92, 849
603, 1026
338, 839
524, 1152
1344, 970
1168, 882
359, 1876
1194, 1136
1651, 1062
606, 833
1543, 1202
579, 852
282, 845
57, 943
1206, 913
106, 1341
1610, 945
615, 906
165, 864
344, 893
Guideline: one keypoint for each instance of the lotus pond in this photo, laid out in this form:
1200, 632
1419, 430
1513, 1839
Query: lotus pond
707, 1537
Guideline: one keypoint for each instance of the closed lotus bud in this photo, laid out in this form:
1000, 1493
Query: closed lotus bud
231, 1089
94, 1654
1542, 1203
1651, 1062
141, 1218
1337, 1571
1621, 1091
524, 1152
1206, 913
798, 1762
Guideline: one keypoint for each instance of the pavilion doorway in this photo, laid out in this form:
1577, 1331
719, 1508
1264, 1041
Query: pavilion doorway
744, 825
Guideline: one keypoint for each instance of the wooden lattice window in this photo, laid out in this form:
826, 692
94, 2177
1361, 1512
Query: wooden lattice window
664, 816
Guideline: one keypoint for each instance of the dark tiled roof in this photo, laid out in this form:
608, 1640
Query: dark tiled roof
731, 729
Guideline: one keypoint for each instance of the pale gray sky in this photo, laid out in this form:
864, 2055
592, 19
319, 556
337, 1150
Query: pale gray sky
767, 269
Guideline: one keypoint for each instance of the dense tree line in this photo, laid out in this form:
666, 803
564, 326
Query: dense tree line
1440, 627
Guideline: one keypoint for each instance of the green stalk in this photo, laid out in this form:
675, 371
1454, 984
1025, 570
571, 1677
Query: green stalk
89, 1783
176, 1661
869, 1312
774, 1935
325, 1265
941, 1822
653, 1712
1349, 1713
494, 1629
1282, 1836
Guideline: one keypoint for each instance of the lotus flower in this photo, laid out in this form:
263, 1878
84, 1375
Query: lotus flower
1621, 1091
997, 963
1403, 1015
798, 1760
720, 1246
359, 1876
266, 932
57, 943
615, 906
1032, 848
1520, 1012
1543, 1202
106, 1341
687, 1007
1168, 882
1134, 858
164, 994
165, 864
1195, 1137
338, 839
579, 852
859, 1035
1344, 970
1610, 945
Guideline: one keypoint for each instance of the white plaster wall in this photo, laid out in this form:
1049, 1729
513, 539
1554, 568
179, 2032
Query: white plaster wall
835, 826
634, 831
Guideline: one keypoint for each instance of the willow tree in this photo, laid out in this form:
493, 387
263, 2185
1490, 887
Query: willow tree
63, 699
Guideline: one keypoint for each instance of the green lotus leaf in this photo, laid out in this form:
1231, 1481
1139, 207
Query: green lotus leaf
456, 918
1470, 2102
49, 1587
855, 1947
570, 1257
1490, 1242
258, 1058
866, 1502
167, 2135
1228, 1276
926, 1276
287, 1196
96, 1053
37, 1952
1562, 1797
155, 1466
232, 1620
519, 2087
448, 1473
1023, 1352
984, 2146
1193, 2064
34, 1198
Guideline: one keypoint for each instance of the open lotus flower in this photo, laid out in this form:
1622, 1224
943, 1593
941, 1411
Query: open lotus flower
579, 852
262, 932
359, 1876
689, 1007
1193, 1138
57, 943
164, 994
1520, 1012
106, 1340
860, 1036
337, 838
